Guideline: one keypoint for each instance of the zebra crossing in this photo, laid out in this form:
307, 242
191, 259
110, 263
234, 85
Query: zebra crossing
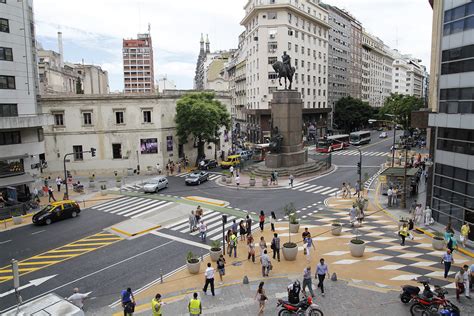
213, 221
130, 188
131, 207
356, 153
212, 176
368, 183
316, 189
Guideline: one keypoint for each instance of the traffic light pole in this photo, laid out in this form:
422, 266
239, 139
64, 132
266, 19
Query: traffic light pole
92, 151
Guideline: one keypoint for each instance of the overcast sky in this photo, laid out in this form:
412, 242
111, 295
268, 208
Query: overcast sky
93, 29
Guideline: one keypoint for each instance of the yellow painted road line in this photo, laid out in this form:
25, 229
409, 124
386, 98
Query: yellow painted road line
19, 269
101, 239
36, 263
5, 278
105, 234
52, 257
87, 244
72, 250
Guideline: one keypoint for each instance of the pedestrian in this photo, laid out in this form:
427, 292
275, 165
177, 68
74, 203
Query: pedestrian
262, 245
58, 183
250, 248
276, 178
307, 280
233, 245
50, 194
227, 240
459, 281
360, 215
275, 245
261, 298
292, 179
389, 196
209, 275
203, 231
192, 222
427, 213
272, 221
467, 281
448, 230
272, 178
403, 233
156, 305
234, 227
321, 271
395, 196
357, 188
248, 224
36, 195
261, 220
412, 208
221, 267
128, 301
179, 167
465, 229
353, 215
452, 243
243, 230
309, 243
418, 214
265, 261
344, 190
231, 170
237, 181
195, 306
77, 298
447, 260
198, 214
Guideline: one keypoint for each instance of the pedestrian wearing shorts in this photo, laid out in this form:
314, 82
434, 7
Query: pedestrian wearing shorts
221, 267
261, 298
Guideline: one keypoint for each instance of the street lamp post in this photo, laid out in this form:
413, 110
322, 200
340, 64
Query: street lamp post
92, 151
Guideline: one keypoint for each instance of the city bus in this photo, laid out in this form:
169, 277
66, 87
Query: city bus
332, 143
260, 151
360, 138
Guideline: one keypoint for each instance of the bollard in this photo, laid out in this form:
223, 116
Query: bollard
161, 275
246, 280
334, 277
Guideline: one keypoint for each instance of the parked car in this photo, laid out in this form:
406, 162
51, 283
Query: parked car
383, 135
155, 184
196, 178
232, 160
207, 164
246, 154
56, 211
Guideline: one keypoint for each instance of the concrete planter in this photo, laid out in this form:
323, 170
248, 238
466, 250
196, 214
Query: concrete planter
294, 228
103, 192
193, 267
290, 253
91, 184
336, 229
118, 184
438, 243
252, 182
215, 254
265, 182
17, 220
223, 179
228, 180
357, 247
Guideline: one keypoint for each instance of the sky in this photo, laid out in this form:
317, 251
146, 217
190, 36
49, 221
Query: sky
93, 30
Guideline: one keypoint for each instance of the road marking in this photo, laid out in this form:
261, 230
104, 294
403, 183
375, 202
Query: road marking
38, 232
35, 263
181, 240
4, 242
153, 209
89, 244
35, 282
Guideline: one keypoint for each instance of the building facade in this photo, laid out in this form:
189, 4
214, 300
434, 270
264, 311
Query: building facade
22, 149
408, 75
138, 69
452, 185
129, 132
355, 73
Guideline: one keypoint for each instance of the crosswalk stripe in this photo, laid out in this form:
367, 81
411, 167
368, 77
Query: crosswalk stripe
142, 209
121, 203
215, 222
185, 222
301, 187
309, 186
322, 189
314, 189
130, 205
138, 207
110, 202
329, 191
217, 230
298, 185
152, 210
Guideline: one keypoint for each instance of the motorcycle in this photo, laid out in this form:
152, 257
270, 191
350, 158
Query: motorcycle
306, 307
410, 292
438, 305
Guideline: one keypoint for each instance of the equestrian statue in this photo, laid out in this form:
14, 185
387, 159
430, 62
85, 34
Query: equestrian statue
284, 70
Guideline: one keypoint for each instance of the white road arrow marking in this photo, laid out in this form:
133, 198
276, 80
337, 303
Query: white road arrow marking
35, 282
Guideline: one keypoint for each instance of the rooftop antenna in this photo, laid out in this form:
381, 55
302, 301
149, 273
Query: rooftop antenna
396, 37
149, 28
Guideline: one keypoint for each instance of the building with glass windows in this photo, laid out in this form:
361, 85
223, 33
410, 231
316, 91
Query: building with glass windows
452, 98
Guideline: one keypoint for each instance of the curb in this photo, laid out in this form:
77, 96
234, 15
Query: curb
134, 234
204, 201
11, 219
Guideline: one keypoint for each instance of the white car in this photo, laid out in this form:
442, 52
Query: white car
155, 184
383, 135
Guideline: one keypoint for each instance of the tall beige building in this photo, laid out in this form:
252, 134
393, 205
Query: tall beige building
299, 27
138, 70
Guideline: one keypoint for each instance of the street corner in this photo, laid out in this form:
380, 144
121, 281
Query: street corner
207, 201
132, 227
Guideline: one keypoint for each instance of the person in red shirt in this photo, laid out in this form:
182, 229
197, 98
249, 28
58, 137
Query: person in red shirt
261, 219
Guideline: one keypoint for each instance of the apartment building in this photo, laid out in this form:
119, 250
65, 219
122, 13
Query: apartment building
408, 75
138, 69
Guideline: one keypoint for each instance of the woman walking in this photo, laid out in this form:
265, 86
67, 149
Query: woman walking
272, 221
227, 239
403, 233
242, 230
261, 220
251, 248
261, 298
192, 222
262, 244
221, 266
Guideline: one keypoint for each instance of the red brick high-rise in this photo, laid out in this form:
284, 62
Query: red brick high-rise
138, 72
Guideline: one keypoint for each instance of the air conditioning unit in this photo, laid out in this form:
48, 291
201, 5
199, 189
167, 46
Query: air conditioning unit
255, 38
272, 80
264, 96
272, 36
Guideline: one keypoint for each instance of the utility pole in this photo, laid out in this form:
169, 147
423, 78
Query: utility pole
404, 196
92, 151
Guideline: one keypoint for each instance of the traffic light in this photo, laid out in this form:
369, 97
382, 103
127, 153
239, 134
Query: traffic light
359, 168
224, 219
68, 173
93, 151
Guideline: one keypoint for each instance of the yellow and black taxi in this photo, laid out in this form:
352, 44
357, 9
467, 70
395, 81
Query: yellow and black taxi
56, 211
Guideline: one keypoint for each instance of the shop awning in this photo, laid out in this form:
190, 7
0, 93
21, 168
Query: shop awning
16, 180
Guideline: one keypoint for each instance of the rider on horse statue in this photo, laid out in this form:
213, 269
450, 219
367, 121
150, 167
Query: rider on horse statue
284, 70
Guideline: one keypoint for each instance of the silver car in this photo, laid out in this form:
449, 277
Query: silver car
155, 185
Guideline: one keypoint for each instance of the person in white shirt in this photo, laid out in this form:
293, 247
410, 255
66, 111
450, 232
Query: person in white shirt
231, 170
427, 213
237, 181
389, 196
418, 214
202, 230
58, 183
209, 274
77, 298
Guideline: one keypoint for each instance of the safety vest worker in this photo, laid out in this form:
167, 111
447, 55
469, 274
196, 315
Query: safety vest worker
156, 305
194, 306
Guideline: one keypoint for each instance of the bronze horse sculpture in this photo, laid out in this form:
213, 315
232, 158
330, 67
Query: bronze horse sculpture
282, 71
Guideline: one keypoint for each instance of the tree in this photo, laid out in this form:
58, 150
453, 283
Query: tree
401, 106
352, 114
200, 116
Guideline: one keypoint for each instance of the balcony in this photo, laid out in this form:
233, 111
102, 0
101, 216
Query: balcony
26, 121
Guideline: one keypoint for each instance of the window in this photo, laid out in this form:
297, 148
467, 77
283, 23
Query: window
272, 47
3, 1
10, 138
7, 82
58, 119
6, 54
272, 15
7, 110
40, 134
272, 60
86, 118
296, 48
119, 117
146, 116
117, 151
289, 18
4, 26
289, 46
77, 150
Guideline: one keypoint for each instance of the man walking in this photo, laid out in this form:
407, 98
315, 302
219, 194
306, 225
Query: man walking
307, 280
357, 188
128, 301
50, 194
447, 260
276, 246
194, 306
467, 281
309, 243
321, 271
58, 183
459, 281
248, 224
233, 244
265, 260
202, 231
156, 305
427, 213
389, 196
77, 298
209, 274
291, 179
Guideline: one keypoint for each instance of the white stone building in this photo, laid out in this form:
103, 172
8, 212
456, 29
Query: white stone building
129, 132
408, 75
22, 150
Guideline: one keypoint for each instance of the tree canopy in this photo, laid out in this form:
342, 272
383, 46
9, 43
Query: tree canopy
351, 114
200, 116
401, 106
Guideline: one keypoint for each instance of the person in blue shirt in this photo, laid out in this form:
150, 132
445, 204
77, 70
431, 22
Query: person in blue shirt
447, 260
321, 271
128, 301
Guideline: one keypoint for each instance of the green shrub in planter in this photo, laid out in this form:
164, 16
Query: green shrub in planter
191, 258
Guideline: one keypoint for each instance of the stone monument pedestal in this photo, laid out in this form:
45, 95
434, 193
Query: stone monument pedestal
287, 115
